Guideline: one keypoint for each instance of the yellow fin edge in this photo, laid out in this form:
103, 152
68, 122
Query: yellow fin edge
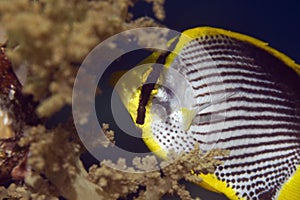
193, 33
290, 190
212, 183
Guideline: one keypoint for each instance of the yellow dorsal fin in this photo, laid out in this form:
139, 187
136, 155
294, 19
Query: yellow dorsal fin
194, 33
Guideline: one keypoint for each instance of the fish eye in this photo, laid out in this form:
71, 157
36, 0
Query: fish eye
159, 111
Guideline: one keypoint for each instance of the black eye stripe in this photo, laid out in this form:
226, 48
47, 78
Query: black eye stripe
146, 92
150, 84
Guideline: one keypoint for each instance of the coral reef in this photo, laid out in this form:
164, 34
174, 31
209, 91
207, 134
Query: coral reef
62, 33
48, 39
16, 111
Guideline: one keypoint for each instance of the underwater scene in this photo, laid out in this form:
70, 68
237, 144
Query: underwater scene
149, 99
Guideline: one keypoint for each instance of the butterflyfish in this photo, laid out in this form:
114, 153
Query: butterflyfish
237, 94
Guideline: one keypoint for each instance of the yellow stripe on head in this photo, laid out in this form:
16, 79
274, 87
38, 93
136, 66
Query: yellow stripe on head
129, 88
133, 102
147, 134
